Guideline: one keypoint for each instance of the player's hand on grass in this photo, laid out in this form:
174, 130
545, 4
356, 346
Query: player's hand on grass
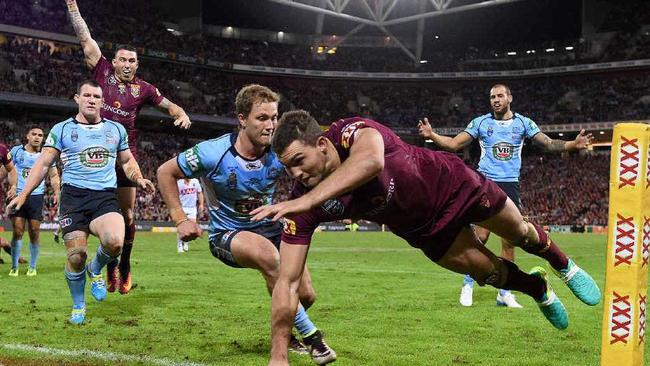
146, 185
16, 203
183, 122
583, 140
279, 210
189, 230
424, 128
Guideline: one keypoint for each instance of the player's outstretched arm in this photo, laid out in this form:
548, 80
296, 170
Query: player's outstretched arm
36, 176
365, 162
168, 174
447, 143
181, 119
581, 142
91, 50
284, 301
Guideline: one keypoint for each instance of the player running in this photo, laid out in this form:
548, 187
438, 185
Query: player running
124, 96
89, 147
240, 173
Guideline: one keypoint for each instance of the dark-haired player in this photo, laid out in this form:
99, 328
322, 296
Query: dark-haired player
31, 213
360, 169
124, 96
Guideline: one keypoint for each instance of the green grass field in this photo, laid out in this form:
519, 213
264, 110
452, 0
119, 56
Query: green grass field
380, 302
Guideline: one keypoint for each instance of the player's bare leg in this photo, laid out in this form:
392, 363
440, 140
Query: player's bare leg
468, 255
504, 297
254, 251
510, 225
126, 200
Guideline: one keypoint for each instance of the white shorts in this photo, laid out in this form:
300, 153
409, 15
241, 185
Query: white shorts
190, 212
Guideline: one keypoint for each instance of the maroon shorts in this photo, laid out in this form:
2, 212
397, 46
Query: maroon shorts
477, 200
122, 180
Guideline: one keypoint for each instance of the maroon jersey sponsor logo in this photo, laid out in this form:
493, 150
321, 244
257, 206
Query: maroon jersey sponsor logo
115, 110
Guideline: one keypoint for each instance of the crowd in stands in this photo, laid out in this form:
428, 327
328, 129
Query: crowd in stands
142, 25
555, 189
47, 68
567, 190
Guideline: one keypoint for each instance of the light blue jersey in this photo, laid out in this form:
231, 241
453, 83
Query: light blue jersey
88, 152
233, 186
501, 142
24, 161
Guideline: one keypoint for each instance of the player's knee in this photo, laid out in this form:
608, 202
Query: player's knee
495, 277
17, 234
270, 267
307, 297
524, 231
112, 242
128, 215
77, 258
34, 236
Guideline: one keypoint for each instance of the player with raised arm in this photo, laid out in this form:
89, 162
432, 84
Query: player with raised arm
359, 168
124, 95
89, 147
31, 213
501, 135
239, 173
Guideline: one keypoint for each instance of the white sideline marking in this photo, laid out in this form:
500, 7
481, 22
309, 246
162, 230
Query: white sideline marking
104, 356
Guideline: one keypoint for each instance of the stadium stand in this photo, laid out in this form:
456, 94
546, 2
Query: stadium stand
548, 100
42, 67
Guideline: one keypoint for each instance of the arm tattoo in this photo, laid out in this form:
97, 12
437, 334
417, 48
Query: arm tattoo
549, 144
555, 145
132, 171
78, 23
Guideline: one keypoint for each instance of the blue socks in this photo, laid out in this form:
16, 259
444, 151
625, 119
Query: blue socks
303, 324
97, 264
15, 252
468, 280
77, 285
33, 254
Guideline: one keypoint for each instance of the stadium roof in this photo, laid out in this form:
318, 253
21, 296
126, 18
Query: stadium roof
456, 23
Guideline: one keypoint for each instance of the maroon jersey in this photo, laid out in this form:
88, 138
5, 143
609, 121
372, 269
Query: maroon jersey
123, 101
5, 156
423, 196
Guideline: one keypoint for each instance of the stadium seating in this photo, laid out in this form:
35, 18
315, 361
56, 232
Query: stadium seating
45, 68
